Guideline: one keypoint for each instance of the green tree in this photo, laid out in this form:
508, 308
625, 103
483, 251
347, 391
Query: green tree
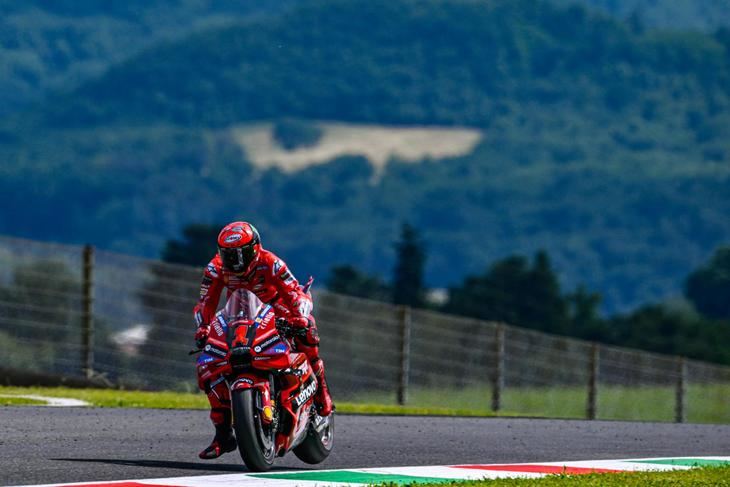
515, 292
293, 134
583, 315
408, 286
197, 246
661, 329
346, 279
708, 287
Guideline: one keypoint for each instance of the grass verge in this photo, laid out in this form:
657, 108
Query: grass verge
19, 401
705, 403
704, 476
183, 400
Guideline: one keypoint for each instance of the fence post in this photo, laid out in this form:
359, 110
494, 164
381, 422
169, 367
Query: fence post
593, 364
498, 377
404, 317
87, 316
680, 415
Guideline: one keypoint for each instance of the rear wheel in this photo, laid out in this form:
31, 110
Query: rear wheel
319, 441
255, 439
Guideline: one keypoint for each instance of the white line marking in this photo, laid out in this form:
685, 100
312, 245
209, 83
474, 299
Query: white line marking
51, 401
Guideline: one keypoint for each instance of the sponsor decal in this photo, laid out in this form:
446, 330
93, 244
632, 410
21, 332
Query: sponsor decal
242, 380
277, 266
238, 228
269, 342
211, 350
233, 238
217, 381
264, 357
267, 319
304, 367
280, 348
205, 359
199, 318
222, 321
306, 393
212, 270
218, 327
287, 277
305, 307
262, 314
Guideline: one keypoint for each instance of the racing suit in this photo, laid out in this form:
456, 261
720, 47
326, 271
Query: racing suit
272, 282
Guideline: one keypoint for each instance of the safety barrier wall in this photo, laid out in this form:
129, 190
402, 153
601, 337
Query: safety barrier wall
76, 311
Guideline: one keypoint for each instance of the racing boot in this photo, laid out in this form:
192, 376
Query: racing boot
322, 399
223, 442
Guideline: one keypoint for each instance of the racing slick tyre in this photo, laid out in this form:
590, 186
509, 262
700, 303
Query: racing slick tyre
255, 440
320, 438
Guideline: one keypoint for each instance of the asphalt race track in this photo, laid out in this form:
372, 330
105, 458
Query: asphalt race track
52, 445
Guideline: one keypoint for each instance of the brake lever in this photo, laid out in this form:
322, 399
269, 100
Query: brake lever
194, 351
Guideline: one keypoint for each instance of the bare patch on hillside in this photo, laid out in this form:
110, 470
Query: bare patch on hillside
377, 143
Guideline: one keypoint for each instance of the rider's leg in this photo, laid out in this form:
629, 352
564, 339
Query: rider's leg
220, 414
309, 345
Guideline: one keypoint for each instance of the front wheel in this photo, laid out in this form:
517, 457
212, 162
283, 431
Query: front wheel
317, 446
255, 440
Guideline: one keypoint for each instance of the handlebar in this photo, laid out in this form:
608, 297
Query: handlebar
286, 329
282, 326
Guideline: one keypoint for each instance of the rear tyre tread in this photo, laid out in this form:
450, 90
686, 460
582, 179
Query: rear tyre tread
311, 450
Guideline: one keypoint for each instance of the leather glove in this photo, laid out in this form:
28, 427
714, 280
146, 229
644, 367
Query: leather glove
201, 335
300, 323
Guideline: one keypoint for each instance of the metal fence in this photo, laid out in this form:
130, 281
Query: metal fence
79, 312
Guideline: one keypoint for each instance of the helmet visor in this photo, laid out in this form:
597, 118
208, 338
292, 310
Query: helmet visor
237, 259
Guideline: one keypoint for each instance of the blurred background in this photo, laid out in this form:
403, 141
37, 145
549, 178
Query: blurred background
561, 166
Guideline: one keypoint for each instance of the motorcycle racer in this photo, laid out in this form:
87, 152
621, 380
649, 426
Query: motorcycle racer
242, 263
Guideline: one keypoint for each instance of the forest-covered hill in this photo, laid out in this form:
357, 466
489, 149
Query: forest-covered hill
602, 143
58, 44
706, 15
46, 46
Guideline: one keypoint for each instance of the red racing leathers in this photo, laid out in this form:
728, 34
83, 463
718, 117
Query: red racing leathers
272, 282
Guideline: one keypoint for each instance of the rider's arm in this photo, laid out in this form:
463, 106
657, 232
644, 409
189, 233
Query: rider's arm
210, 292
296, 301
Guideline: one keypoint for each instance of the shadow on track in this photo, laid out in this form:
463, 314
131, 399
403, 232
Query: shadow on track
217, 467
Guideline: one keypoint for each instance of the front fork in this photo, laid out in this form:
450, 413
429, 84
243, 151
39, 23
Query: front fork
267, 405
264, 403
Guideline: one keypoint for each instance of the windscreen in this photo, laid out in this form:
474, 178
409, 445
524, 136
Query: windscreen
241, 304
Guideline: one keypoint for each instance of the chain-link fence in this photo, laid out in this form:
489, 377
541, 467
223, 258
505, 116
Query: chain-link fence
69, 310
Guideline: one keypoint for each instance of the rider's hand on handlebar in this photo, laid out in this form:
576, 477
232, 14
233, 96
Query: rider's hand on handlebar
299, 323
288, 328
201, 335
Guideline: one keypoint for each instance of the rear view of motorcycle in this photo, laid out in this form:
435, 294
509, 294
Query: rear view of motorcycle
272, 385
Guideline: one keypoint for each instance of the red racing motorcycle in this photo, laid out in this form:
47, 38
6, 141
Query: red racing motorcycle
272, 386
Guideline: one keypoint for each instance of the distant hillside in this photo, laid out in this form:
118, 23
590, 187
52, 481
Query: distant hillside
58, 44
706, 15
404, 62
604, 144
46, 46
